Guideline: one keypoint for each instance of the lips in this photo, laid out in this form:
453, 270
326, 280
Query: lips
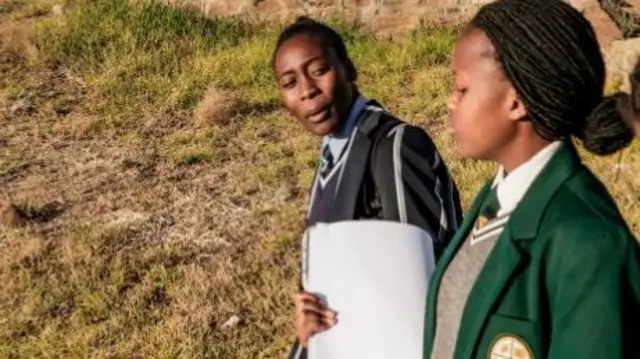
319, 114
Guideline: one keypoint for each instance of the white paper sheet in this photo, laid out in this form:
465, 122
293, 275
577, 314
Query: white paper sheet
375, 275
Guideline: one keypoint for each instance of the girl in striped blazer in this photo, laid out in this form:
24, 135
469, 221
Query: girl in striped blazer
372, 165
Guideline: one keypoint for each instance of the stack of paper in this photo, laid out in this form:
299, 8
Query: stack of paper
375, 275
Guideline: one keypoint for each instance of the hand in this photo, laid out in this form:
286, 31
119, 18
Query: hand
311, 317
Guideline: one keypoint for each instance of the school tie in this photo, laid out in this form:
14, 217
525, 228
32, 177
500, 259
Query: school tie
491, 205
327, 162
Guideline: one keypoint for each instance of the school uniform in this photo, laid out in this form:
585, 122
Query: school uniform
378, 167
550, 270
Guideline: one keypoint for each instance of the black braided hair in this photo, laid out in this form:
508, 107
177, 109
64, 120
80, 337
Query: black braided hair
550, 53
327, 36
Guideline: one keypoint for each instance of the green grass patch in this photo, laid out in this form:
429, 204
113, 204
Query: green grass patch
140, 55
146, 58
189, 149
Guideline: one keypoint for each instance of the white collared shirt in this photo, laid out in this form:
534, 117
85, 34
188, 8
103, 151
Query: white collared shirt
338, 141
512, 188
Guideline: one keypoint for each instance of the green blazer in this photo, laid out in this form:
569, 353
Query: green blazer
563, 280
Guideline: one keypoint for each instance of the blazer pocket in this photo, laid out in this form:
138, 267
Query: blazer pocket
510, 338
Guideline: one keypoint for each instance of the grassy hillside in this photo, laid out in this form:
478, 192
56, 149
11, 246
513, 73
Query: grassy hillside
153, 190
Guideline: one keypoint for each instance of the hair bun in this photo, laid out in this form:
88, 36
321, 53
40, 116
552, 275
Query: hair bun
605, 131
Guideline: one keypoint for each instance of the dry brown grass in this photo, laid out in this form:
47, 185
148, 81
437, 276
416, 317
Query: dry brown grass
219, 107
16, 38
144, 233
9, 215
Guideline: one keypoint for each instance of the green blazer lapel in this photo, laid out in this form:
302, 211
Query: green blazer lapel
506, 257
443, 263
525, 220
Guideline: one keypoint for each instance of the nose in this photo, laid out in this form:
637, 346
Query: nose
451, 104
309, 88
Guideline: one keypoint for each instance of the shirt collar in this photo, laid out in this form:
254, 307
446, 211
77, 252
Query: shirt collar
513, 187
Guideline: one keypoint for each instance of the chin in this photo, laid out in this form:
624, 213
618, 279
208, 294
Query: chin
323, 128
468, 153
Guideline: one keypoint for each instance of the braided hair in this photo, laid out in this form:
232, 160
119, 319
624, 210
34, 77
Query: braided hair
328, 38
549, 52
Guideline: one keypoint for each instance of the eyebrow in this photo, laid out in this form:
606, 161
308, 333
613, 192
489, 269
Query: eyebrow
304, 63
489, 54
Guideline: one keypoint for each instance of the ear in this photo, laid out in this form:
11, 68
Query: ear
517, 109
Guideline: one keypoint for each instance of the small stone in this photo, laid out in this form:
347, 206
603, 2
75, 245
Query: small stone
231, 322
621, 58
620, 167
57, 10
10, 216
21, 107
606, 29
282, 195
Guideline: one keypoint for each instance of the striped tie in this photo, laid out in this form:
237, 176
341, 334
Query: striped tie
327, 162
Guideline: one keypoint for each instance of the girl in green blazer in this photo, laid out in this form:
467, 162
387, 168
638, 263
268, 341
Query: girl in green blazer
543, 265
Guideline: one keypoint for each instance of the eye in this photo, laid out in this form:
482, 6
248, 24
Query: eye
288, 83
319, 70
461, 90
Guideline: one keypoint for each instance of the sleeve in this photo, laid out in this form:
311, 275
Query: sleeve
593, 300
413, 184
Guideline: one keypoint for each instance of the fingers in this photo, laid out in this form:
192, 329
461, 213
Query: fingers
329, 318
307, 302
311, 307
312, 324
312, 317
326, 318
307, 331
302, 297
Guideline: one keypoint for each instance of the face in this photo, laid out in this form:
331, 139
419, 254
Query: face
484, 107
313, 84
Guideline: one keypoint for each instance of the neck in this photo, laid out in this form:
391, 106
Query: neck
345, 117
521, 151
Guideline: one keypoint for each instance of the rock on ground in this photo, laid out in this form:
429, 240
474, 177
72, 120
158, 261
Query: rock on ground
621, 57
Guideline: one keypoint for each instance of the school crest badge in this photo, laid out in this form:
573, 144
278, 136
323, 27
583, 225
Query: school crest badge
510, 347
481, 222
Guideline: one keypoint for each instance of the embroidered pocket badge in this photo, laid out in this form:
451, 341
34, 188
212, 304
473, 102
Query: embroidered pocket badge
510, 347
